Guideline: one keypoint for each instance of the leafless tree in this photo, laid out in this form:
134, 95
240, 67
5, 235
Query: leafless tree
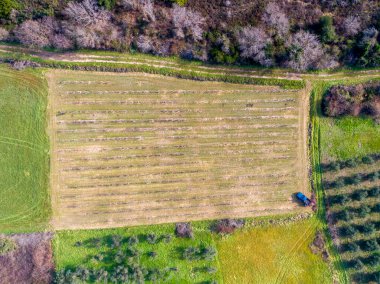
60, 41
35, 33
252, 43
306, 52
3, 34
351, 26
276, 19
369, 37
146, 7
89, 25
187, 22
144, 44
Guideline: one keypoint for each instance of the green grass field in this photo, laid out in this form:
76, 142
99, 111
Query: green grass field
68, 255
24, 201
273, 254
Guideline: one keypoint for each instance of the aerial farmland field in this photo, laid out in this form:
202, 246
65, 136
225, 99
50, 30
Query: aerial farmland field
130, 149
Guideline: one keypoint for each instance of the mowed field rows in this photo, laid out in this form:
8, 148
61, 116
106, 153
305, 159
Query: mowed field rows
130, 149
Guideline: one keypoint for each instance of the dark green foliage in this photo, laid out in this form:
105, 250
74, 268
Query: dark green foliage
83, 273
211, 270
197, 253
370, 245
355, 179
6, 7
376, 208
357, 264
348, 231
351, 163
367, 229
327, 29
363, 211
374, 192
373, 260
108, 4
368, 160
7, 245
359, 195
152, 254
350, 247
374, 176
343, 215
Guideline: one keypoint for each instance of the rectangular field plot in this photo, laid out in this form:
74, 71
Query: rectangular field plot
130, 149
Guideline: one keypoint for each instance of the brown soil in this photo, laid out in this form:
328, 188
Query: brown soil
31, 262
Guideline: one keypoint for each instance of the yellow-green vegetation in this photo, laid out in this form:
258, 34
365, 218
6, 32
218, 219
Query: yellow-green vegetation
136, 149
7, 245
165, 257
273, 254
24, 168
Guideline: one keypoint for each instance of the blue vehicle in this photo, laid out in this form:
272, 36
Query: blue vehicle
306, 201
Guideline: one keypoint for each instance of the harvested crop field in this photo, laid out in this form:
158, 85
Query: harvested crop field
130, 149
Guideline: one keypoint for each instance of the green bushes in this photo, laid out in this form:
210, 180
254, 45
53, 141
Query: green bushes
6, 7
327, 29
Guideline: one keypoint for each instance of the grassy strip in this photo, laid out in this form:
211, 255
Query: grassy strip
24, 163
130, 67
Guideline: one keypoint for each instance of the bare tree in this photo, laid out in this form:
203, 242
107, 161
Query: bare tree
369, 37
3, 34
351, 26
187, 22
144, 44
60, 41
146, 7
35, 33
89, 25
306, 52
276, 19
252, 43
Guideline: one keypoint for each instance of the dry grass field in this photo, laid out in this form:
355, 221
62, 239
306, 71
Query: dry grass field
130, 149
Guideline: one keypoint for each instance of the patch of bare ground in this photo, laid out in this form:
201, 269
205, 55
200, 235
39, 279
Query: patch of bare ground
31, 262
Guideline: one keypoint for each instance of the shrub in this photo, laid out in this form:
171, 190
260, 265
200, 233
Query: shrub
370, 245
183, 230
151, 238
152, 254
375, 176
374, 192
357, 264
208, 253
363, 211
367, 229
368, 160
348, 231
227, 226
108, 4
359, 195
167, 238
7, 245
343, 215
133, 240
116, 241
191, 253
351, 163
376, 208
355, 179
350, 247
373, 260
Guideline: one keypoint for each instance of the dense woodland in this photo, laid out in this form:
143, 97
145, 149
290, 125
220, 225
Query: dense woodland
302, 35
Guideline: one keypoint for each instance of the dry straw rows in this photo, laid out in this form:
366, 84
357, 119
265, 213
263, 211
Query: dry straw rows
141, 149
